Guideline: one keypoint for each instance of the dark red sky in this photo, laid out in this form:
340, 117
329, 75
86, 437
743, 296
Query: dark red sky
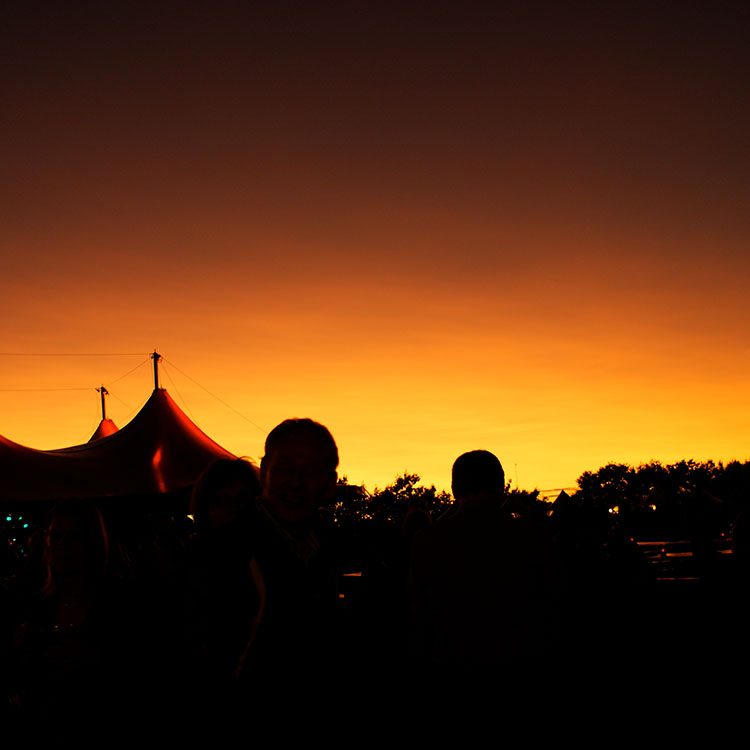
490, 223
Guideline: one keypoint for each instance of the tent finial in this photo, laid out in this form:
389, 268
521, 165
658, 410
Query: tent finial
104, 393
157, 358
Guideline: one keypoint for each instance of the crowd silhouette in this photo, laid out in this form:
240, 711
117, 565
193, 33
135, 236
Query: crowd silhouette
239, 604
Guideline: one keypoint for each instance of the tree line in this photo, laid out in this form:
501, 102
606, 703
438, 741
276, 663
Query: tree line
648, 498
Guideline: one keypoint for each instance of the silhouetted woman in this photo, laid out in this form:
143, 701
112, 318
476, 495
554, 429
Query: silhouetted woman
223, 585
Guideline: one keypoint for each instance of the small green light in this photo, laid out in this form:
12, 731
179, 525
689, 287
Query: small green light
26, 526
8, 518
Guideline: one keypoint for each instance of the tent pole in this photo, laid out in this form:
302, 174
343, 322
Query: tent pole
104, 392
156, 357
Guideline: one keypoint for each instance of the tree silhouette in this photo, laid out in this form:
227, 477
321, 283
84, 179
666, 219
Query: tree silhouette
391, 504
684, 497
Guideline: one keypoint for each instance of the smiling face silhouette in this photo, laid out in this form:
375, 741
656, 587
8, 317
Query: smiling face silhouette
297, 478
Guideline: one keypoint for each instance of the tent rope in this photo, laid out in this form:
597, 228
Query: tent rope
239, 414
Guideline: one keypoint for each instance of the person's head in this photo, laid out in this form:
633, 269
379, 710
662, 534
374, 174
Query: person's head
76, 543
477, 473
298, 471
225, 490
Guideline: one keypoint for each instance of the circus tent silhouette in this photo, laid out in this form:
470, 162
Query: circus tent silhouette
160, 451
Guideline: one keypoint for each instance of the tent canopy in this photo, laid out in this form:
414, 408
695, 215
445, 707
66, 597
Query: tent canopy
159, 451
106, 427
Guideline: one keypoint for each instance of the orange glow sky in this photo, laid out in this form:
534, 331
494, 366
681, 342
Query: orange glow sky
433, 227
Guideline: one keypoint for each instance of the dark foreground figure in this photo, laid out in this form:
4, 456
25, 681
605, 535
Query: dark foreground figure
486, 584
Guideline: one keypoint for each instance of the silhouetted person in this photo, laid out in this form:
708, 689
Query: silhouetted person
77, 646
383, 605
417, 518
297, 642
485, 583
222, 589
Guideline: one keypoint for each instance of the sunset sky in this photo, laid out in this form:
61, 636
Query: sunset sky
431, 226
